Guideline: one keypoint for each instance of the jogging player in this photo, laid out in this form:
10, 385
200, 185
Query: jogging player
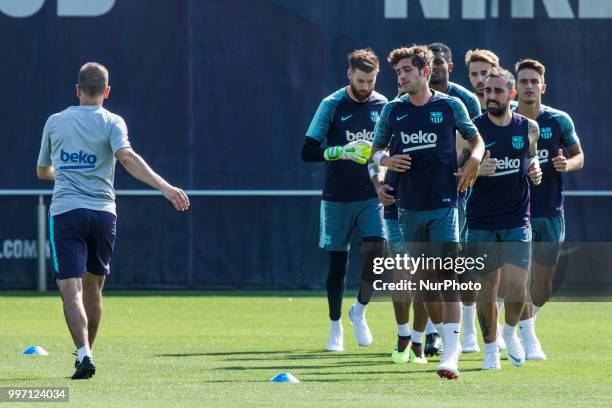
344, 123
442, 67
424, 122
479, 64
498, 213
557, 132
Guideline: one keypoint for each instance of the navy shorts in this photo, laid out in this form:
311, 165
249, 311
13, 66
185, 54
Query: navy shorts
82, 240
500, 246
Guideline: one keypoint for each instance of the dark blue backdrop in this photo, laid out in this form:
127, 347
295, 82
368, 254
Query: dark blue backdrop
218, 95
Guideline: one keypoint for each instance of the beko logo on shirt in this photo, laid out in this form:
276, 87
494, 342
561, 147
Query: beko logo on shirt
82, 159
422, 139
543, 156
362, 135
507, 166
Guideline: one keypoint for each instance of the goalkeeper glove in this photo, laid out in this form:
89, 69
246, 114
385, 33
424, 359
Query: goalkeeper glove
357, 151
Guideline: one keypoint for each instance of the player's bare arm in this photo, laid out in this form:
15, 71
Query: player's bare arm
534, 135
534, 172
469, 171
376, 175
398, 162
463, 150
45, 173
138, 168
574, 162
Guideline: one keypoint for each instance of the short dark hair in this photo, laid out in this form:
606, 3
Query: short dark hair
364, 60
420, 55
93, 79
529, 63
481, 56
498, 72
442, 49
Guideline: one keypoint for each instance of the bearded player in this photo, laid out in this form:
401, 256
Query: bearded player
498, 214
344, 124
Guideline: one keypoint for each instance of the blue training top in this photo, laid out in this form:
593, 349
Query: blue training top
501, 201
338, 121
556, 131
468, 98
427, 133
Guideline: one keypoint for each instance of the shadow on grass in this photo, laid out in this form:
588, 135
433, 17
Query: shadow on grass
342, 354
326, 380
402, 372
286, 354
226, 353
321, 356
301, 367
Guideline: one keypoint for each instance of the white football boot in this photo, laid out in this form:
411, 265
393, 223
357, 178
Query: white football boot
363, 335
335, 342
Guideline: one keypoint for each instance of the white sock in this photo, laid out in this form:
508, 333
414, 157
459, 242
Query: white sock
451, 339
83, 352
336, 324
403, 329
490, 347
527, 330
500, 305
359, 309
509, 331
417, 337
469, 314
430, 328
536, 309
440, 329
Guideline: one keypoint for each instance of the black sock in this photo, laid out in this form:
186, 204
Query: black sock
336, 276
402, 343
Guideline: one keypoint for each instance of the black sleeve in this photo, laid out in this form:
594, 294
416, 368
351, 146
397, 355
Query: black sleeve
312, 150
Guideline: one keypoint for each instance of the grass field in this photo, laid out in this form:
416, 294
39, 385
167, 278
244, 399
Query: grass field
221, 350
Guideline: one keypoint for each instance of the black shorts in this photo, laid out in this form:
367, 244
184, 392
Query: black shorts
82, 240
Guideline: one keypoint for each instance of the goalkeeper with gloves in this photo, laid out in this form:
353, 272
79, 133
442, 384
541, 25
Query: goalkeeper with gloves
344, 124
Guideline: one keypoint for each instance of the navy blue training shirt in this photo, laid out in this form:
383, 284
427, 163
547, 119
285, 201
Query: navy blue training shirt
501, 201
340, 120
556, 131
427, 133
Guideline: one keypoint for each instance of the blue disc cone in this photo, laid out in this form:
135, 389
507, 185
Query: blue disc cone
284, 378
35, 351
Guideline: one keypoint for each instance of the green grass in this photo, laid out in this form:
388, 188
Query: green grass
173, 350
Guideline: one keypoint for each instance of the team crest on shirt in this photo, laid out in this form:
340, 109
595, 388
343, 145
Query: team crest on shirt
546, 133
436, 117
374, 116
518, 142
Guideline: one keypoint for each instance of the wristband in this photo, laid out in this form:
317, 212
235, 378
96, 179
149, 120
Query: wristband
373, 170
531, 160
378, 156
